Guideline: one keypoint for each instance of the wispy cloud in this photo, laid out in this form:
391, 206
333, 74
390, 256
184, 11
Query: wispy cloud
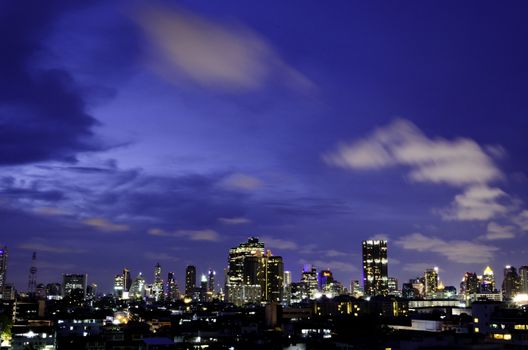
102, 224
456, 162
234, 221
157, 256
333, 265
460, 251
279, 243
193, 235
240, 181
213, 54
380, 236
40, 246
496, 231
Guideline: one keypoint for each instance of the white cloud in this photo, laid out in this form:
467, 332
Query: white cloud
496, 231
279, 243
465, 252
157, 256
240, 181
213, 54
379, 237
234, 221
478, 202
39, 246
456, 162
102, 224
522, 220
334, 253
193, 235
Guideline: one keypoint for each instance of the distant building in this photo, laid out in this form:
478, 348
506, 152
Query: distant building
119, 286
325, 277
190, 280
127, 279
211, 280
172, 288
487, 283
375, 267
523, 279
355, 289
431, 282
74, 284
3, 270
392, 283
511, 283
137, 288
272, 279
469, 284
157, 286
309, 278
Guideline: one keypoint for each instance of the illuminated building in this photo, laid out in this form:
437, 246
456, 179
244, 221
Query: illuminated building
204, 289
53, 291
523, 279
172, 288
190, 280
355, 289
273, 278
32, 280
211, 280
511, 283
309, 278
487, 284
375, 269
298, 292
244, 269
3, 270
325, 277
137, 289
119, 286
392, 283
157, 286
431, 282
74, 284
287, 278
469, 284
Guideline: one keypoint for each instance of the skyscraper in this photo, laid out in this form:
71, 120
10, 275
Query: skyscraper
309, 279
510, 285
469, 284
431, 282
172, 288
137, 288
487, 284
127, 280
157, 286
273, 281
375, 269
3, 270
523, 279
211, 280
119, 286
190, 280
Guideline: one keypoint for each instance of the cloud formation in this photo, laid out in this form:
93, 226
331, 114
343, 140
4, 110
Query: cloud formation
234, 221
279, 243
102, 224
459, 251
193, 235
240, 181
478, 202
456, 162
213, 54
496, 231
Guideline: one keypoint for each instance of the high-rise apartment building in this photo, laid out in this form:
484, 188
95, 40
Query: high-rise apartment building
74, 285
273, 280
375, 267
309, 279
190, 280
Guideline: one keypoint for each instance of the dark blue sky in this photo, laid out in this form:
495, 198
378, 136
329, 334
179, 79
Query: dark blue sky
135, 132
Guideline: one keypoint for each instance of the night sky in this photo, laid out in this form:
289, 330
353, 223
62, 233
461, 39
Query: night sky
139, 132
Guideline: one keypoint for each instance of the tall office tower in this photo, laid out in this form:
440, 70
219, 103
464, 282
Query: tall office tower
431, 282
91, 291
190, 280
309, 279
32, 279
157, 286
392, 284
127, 280
137, 288
487, 284
510, 285
172, 288
375, 269
74, 285
3, 270
469, 284
355, 289
523, 279
244, 265
253, 247
211, 280
273, 280
119, 286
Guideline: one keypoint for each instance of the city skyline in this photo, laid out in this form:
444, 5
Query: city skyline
168, 134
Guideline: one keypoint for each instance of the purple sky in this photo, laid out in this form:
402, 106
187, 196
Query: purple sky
135, 133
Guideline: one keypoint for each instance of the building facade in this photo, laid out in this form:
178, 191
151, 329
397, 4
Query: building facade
375, 267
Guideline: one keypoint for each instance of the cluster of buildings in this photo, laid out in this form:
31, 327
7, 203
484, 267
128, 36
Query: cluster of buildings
257, 296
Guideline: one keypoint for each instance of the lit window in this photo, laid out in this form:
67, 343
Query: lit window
475, 320
476, 330
498, 336
507, 336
